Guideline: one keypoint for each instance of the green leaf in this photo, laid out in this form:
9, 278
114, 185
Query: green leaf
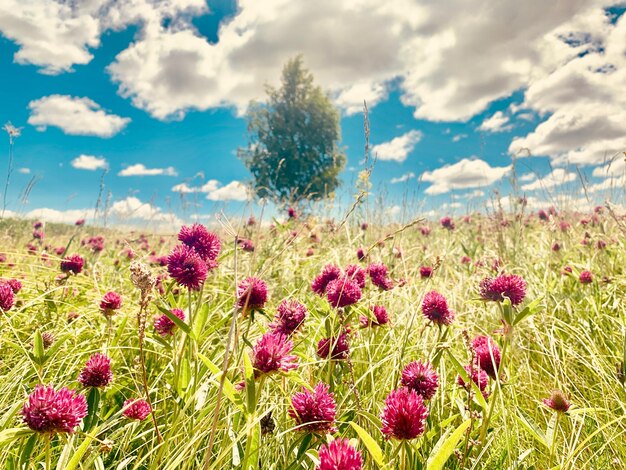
9, 435
370, 444
551, 430
445, 447
199, 320
250, 386
529, 310
77, 458
228, 388
178, 322
507, 311
38, 349
527, 422
304, 445
28, 450
93, 400
478, 395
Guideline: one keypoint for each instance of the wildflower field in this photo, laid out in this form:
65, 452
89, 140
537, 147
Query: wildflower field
495, 342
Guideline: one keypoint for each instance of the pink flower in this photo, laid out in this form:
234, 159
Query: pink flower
435, 308
426, 272
111, 301
378, 276
315, 411
585, 277
205, 243
340, 347
404, 415
343, 292
79, 222
357, 274
49, 411
7, 298
478, 376
291, 212
329, 273
271, 354
380, 314
16, 285
361, 255
422, 378
289, 317
497, 289
447, 223
72, 264
487, 355
558, 402
97, 371
251, 294
425, 230
164, 326
339, 455
246, 244
138, 409
187, 267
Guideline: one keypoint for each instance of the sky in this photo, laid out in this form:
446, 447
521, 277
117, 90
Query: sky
139, 105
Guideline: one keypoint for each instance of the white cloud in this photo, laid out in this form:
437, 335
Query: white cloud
458, 137
75, 116
467, 173
557, 177
393, 211
398, 148
499, 122
50, 34
613, 183
233, 191
616, 167
61, 216
210, 185
477, 193
139, 169
585, 99
24, 171
132, 208
568, 56
403, 178
525, 178
89, 162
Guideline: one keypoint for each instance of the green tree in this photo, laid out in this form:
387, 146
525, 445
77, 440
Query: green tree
293, 151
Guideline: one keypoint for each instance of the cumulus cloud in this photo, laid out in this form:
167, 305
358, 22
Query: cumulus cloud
401, 179
50, 34
567, 55
233, 191
75, 116
615, 167
525, 178
398, 148
89, 162
556, 177
133, 208
210, 185
24, 171
499, 122
585, 99
139, 169
68, 216
467, 173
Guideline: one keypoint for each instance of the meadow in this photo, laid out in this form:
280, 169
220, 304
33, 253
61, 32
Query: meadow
487, 341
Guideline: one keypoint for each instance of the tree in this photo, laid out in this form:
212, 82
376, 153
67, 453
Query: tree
293, 152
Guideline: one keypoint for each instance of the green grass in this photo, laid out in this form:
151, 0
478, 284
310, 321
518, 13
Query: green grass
574, 342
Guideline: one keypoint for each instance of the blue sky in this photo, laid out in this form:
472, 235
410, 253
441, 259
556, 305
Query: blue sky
156, 90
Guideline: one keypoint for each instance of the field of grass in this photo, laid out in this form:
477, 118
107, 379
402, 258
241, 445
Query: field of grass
564, 335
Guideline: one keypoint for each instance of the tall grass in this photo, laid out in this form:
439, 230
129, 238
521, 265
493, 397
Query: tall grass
574, 341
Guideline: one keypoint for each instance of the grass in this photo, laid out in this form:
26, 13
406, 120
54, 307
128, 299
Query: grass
574, 340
